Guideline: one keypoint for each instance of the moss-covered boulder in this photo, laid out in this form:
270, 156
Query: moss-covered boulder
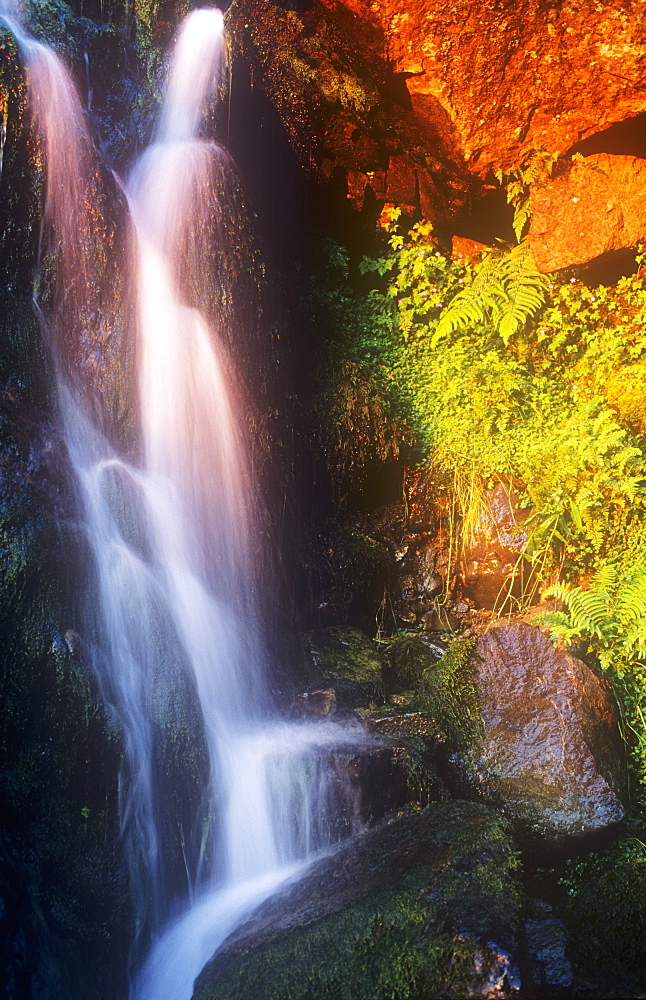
347, 660
532, 732
427, 906
406, 658
448, 691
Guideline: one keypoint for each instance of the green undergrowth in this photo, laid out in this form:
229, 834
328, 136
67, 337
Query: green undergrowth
491, 372
601, 898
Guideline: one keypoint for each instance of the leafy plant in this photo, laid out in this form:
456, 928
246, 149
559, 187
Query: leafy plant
609, 615
538, 164
505, 290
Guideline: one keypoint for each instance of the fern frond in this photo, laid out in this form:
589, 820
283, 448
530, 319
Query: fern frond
524, 286
476, 302
507, 289
605, 579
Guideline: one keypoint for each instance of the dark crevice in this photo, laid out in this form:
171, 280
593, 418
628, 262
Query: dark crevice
490, 220
626, 138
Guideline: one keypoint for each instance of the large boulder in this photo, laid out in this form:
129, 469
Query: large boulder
428, 905
543, 749
593, 207
407, 101
325, 69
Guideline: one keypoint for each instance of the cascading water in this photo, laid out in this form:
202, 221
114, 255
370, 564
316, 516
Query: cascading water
172, 536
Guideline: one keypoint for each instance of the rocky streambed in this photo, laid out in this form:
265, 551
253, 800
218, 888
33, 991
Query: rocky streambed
497, 846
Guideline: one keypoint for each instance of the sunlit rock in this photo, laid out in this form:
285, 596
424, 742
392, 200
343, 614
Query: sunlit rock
326, 70
593, 207
502, 75
545, 753
493, 560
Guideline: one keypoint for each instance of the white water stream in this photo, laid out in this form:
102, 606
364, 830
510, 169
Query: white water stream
173, 536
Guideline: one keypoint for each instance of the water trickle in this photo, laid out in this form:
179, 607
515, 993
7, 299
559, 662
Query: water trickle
176, 620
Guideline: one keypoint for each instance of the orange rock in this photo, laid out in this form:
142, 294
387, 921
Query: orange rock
594, 207
469, 250
515, 77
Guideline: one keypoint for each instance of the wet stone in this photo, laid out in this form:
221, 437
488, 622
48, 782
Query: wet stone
546, 946
425, 906
547, 750
318, 701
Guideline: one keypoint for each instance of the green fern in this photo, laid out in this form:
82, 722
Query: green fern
610, 610
537, 165
525, 289
506, 290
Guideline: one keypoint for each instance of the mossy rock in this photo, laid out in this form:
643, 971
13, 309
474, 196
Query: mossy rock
427, 906
601, 899
407, 657
448, 692
349, 661
605, 915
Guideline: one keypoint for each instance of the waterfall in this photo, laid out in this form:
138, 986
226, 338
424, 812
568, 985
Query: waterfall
176, 589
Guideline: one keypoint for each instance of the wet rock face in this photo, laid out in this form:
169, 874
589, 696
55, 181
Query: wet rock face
407, 101
425, 906
503, 72
547, 950
64, 911
546, 754
596, 206
326, 70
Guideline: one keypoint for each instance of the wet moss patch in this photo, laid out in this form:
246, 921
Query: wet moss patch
427, 906
347, 660
448, 691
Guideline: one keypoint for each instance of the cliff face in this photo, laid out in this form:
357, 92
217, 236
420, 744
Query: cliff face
516, 76
417, 103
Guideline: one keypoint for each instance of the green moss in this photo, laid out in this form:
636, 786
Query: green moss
422, 778
448, 691
423, 937
407, 658
348, 660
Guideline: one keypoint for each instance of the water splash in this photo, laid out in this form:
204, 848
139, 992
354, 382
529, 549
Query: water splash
176, 624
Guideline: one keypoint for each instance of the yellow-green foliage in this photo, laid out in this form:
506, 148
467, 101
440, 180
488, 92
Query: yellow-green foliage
494, 383
501, 373
609, 615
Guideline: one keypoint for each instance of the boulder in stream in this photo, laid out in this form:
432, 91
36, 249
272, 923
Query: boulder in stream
426, 906
536, 730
